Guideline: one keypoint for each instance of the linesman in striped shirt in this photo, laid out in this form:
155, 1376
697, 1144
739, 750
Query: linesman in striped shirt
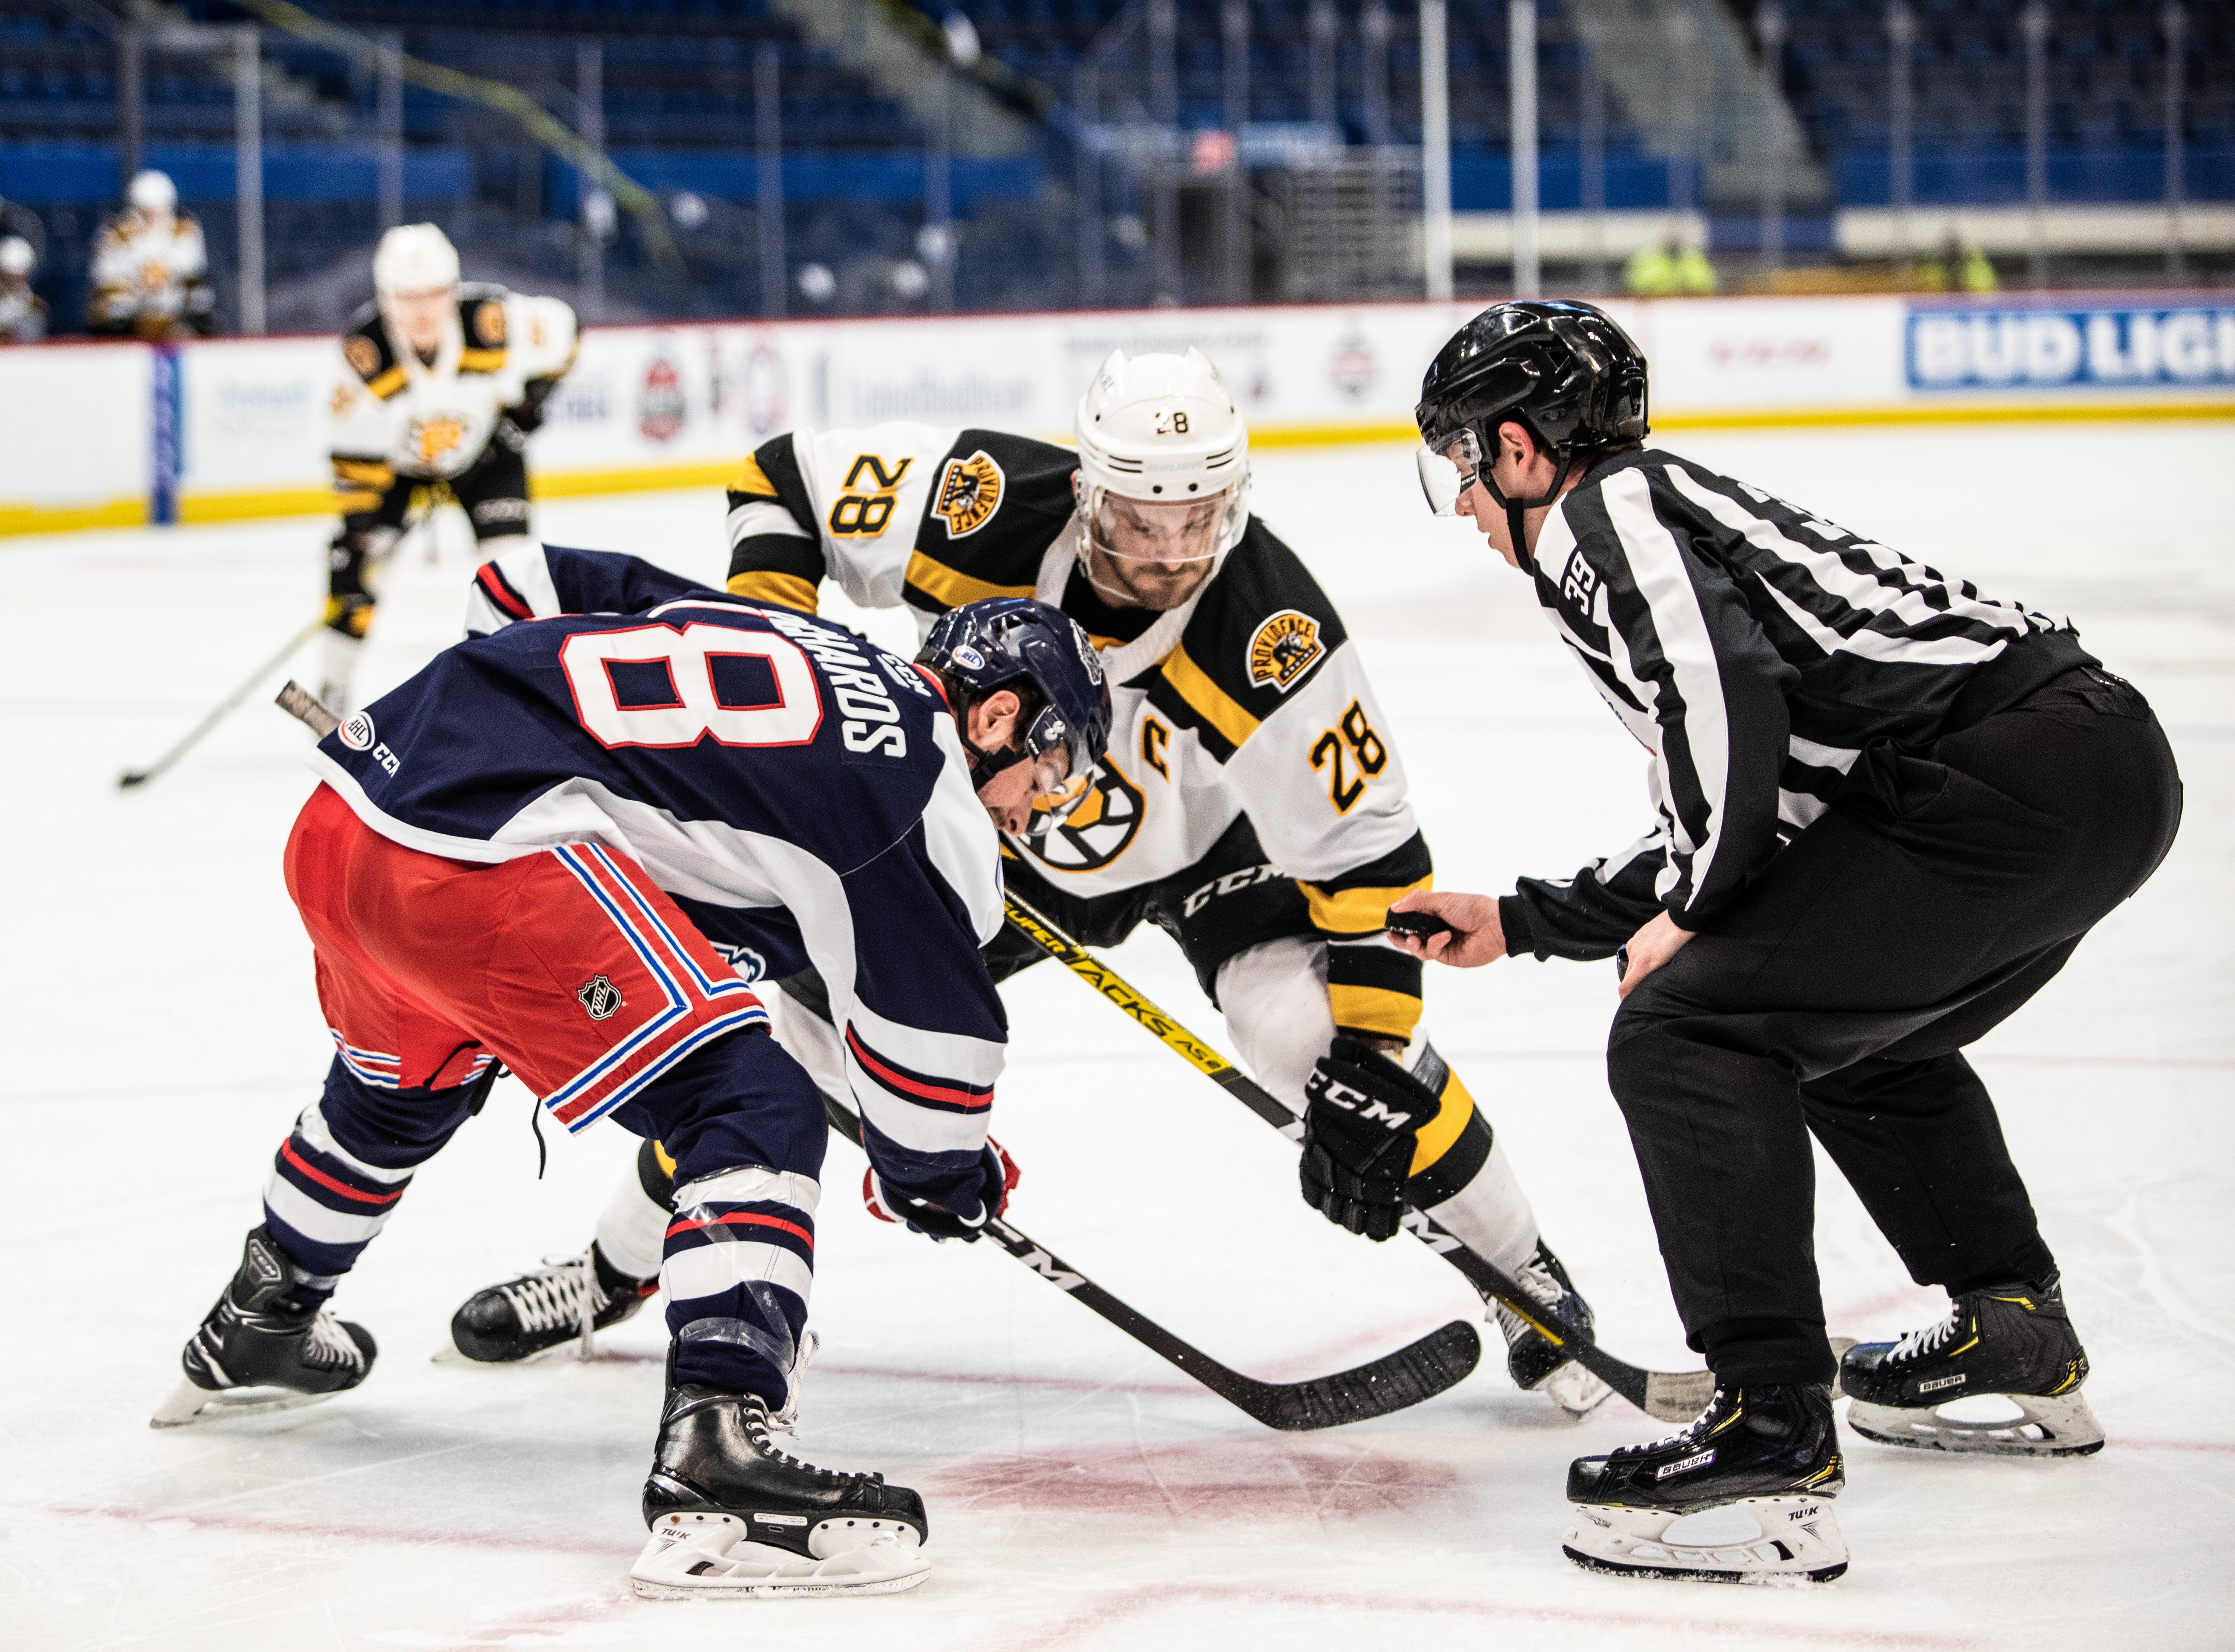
1886, 808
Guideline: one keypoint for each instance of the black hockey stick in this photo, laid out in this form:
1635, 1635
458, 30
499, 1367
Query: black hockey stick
224, 709
1417, 1372
1669, 1396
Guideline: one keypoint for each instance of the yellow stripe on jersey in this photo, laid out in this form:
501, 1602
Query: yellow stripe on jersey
1435, 1138
386, 385
480, 361
1355, 911
1212, 703
945, 584
1373, 1010
368, 472
765, 585
349, 504
753, 479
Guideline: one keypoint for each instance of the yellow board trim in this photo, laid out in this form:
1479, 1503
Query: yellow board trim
1211, 702
1355, 911
1374, 1009
1435, 1138
942, 584
130, 513
387, 384
765, 585
753, 479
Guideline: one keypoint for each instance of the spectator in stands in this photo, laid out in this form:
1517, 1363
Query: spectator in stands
1959, 265
23, 312
150, 268
1668, 268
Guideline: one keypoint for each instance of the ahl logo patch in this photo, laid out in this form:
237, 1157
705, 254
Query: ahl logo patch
600, 996
357, 732
969, 493
1284, 648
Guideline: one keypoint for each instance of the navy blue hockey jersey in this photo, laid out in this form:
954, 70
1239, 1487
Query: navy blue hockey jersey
801, 793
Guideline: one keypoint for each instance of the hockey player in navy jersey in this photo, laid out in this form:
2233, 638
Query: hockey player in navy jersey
1253, 802
549, 849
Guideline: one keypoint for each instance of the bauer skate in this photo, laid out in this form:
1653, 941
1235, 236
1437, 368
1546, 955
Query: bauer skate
732, 1516
1768, 1454
1535, 1360
571, 1298
2015, 1342
257, 1351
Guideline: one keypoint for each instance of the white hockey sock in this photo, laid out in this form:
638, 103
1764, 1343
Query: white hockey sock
1490, 1215
632, 1231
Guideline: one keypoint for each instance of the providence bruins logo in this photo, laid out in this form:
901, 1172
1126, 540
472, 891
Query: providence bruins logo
364, 355
600, 996
1283, 650
488, 321
969, 493
1099, 829
435, 437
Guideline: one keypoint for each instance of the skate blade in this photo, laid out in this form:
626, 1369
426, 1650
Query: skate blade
189, 1404
2057, 1426
1797, 1542
712, 1558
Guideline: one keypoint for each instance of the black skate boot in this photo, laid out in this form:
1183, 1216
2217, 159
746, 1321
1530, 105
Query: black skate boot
1535, 1360
2013, 1341
1770, 1453
257, 1351
731, 1515
558, 1302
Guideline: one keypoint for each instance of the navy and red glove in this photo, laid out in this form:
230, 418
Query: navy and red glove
888, 1203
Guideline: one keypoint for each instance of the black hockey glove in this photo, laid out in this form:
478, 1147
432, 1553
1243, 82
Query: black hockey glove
1362, 1112
889, 1203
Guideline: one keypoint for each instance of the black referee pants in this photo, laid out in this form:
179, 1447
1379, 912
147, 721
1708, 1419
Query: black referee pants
1944, 887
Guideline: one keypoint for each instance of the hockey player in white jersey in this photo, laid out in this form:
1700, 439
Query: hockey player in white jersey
151, 268
1252, 804
440, 384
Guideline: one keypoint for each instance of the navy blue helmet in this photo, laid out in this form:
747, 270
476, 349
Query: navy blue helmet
1004, 643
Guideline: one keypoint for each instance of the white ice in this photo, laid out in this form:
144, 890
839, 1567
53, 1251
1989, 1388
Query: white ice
160, 1032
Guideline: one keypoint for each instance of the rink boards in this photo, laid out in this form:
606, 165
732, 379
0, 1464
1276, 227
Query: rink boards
117, 434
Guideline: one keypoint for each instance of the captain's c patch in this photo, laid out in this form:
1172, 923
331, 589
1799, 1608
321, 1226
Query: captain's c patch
1283, 649
969, 493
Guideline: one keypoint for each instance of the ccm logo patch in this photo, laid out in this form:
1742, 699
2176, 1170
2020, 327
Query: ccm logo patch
969, 493
600, 996
1699, 1462
1284, 648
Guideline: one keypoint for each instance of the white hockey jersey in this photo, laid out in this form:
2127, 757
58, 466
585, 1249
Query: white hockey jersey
150, 277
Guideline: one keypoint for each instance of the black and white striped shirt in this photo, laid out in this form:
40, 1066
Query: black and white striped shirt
1754, 650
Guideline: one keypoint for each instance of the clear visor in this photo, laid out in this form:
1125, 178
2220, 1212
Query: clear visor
1447, 470
1149, 531
1060, 776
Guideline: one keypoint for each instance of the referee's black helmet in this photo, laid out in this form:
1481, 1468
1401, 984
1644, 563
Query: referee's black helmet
1565, 370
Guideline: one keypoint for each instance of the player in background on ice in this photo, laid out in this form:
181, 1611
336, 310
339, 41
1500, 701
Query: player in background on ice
440, 384
1252, 804
150, 268
547, 849
23, 312
1887, 808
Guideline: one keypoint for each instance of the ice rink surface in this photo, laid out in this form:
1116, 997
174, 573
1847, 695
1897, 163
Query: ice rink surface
162, 1032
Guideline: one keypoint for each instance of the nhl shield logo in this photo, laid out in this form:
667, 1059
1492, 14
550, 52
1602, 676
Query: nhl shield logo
1283, 649
600, 996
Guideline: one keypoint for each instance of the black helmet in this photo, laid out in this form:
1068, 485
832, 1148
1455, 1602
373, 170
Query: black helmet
983, 646
1563, 371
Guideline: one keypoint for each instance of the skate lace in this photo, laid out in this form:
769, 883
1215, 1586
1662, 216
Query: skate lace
1683, 1436
1929, 1339
329, 1346
786, 1421
1536, 1279
758, 1423
564, 1292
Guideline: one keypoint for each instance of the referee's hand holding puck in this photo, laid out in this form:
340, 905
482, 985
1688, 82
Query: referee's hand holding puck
1461, 930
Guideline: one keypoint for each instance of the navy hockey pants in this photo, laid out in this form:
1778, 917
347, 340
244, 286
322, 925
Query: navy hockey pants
1942, 888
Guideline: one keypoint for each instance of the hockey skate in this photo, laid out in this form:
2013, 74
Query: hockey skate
256, 1351
568, 1300
1535, 1360
1770, 1455
2015, 1342
733, 1518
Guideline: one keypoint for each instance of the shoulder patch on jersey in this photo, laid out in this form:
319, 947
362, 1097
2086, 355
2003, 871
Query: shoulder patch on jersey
488, 321
362, 354
1283, 649
969, 493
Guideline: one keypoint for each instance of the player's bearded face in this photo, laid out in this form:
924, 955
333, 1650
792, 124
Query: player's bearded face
1148, 554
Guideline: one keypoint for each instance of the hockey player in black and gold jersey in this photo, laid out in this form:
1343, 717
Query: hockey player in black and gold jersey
1251, 804
440, 384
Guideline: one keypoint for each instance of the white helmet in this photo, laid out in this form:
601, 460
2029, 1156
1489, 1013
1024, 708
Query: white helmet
414, 258
17, 257
152, 191
1162, 430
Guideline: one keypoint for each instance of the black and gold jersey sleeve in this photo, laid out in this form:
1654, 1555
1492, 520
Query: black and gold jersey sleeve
366, 348
1372, 988
482, 318
993, 508
776, 554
